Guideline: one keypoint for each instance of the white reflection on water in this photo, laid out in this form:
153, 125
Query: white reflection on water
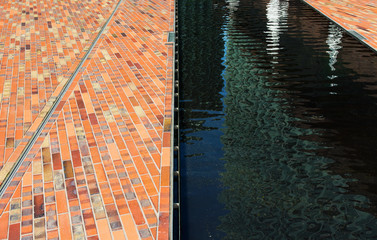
277, 14
334, 41
233, 5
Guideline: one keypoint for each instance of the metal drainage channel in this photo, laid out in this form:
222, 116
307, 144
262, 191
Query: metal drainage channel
29, 145
176, 199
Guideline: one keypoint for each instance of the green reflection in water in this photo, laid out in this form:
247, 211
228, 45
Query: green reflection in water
277, 187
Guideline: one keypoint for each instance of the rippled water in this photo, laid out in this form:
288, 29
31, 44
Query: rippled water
279, 124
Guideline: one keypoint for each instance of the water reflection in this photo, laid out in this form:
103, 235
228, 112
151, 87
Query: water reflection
201, 51
277, 13
298, 127
232, 5
286, 173
334, 41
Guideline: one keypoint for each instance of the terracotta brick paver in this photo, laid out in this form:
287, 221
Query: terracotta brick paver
356, 15
40, 41
101, 167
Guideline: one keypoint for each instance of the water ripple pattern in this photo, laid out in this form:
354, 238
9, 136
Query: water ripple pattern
298, 144
278, 176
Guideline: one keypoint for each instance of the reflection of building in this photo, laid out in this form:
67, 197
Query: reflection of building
284, 128
199, 83
346, 119
201, 49
334, 41
277, 11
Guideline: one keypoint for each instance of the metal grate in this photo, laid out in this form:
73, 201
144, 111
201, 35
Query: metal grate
171, 37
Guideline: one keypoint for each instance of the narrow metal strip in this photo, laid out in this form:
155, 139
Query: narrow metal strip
357, 35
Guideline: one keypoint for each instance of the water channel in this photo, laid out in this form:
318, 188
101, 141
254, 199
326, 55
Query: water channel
279, 124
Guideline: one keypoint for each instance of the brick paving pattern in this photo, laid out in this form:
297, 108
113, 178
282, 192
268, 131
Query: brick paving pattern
40, 41
356, 15
101, 167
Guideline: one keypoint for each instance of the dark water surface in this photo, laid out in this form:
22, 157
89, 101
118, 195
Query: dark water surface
279, 124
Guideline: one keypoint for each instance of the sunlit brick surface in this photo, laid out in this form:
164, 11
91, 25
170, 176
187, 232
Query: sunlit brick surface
101, 167
40, 41
356, 15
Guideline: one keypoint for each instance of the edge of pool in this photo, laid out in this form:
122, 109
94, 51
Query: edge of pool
350, 32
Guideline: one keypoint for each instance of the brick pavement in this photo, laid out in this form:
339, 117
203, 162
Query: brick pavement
101, 167
359, 16
40, 41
